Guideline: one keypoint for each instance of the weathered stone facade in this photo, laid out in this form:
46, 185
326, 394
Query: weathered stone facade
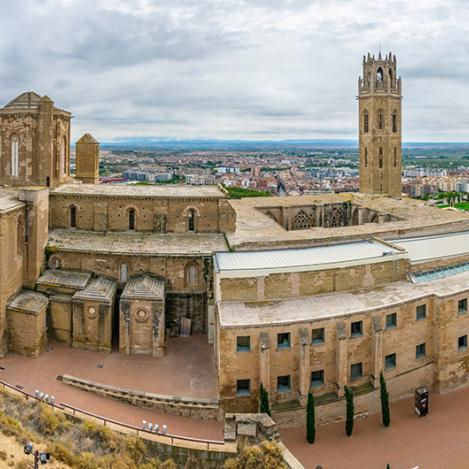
379, 98
297, 293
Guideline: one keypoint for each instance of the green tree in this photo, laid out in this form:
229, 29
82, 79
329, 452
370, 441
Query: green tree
349, 411
310, 419
264, 406
384, 401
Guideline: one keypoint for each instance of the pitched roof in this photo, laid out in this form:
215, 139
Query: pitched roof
25, 101
100, 289
87, 138
144, 287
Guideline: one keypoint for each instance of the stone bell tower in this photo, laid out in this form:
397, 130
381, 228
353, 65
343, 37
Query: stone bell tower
379, 99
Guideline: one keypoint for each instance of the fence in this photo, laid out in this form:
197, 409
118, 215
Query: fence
166, 439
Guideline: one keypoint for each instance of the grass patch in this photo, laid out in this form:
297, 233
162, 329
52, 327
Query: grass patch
240, 192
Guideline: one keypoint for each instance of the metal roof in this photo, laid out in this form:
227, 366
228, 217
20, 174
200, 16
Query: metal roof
435, 247
303, 258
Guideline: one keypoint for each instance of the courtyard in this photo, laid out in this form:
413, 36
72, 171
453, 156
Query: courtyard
186, 370
438, 441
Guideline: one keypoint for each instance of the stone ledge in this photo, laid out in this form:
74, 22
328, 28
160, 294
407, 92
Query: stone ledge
177, 405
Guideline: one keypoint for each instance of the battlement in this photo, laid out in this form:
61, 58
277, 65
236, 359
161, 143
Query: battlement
379, 75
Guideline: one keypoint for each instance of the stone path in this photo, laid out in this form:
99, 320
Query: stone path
187, 370
438, 441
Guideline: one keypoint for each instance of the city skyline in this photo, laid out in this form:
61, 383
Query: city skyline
250, 70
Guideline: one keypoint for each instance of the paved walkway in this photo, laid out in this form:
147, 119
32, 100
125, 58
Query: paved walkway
187, 370
438, 441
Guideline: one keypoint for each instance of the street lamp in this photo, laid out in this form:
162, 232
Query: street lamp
42, 458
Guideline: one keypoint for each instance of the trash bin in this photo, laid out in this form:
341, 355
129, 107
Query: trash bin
421, 401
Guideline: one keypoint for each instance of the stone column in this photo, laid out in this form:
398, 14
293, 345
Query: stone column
124, 327
341, 357
377, 350
78, 338
304, 366
362, 214
264, 360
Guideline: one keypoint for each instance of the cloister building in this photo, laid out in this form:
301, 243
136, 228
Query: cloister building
296, 293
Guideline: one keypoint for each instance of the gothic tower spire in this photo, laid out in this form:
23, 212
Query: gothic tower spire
379, 98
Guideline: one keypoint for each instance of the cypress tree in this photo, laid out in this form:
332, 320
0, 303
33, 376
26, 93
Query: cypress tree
349, 411
264, 406
384, 401
310, 419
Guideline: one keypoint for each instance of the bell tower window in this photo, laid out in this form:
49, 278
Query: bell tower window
395, 156
380, 120
132, 219
191, 220
365, 122
15, 160
394, 121
73, 216
380, 157
366, 157
379, 75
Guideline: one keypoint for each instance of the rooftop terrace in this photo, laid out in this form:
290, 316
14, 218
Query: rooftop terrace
135, 190
256, 230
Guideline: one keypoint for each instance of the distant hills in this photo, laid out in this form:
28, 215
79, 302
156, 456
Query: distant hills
169, 144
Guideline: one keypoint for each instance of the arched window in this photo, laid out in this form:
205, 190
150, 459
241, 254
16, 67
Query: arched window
123, 272
63, 156
15, 157
132, 219
19, 236
394, 121
366, 157
366, 124
73, 216
395, 156
379, 75
191, 275
380, 157
191, 220
380, 120
390, 77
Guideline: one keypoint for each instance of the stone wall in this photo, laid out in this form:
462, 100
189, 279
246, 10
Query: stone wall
12, 264
152, 214
266, 361
314, 282
186, 406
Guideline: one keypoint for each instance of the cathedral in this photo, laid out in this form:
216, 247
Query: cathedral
297, 293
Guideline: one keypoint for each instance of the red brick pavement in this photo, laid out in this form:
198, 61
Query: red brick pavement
187, 370
438, 441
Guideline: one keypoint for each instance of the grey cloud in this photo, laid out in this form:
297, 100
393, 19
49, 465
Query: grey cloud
237, 68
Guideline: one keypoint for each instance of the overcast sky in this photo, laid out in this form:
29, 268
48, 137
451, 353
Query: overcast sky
251, 69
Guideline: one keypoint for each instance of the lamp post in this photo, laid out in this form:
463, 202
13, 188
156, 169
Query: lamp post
39, 457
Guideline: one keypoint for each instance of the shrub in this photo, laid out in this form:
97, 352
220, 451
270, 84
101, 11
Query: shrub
61, 453
349, 411
48, 422
3, 455
168, 464
310, 419
264, 406
267, 454
384, 395
87, 461
23, 464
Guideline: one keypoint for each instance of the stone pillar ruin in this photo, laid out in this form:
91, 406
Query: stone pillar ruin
377, 350
304, 366
341, 357
264, 360
87, 159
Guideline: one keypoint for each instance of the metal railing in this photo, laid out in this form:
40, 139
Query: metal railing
164, 438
